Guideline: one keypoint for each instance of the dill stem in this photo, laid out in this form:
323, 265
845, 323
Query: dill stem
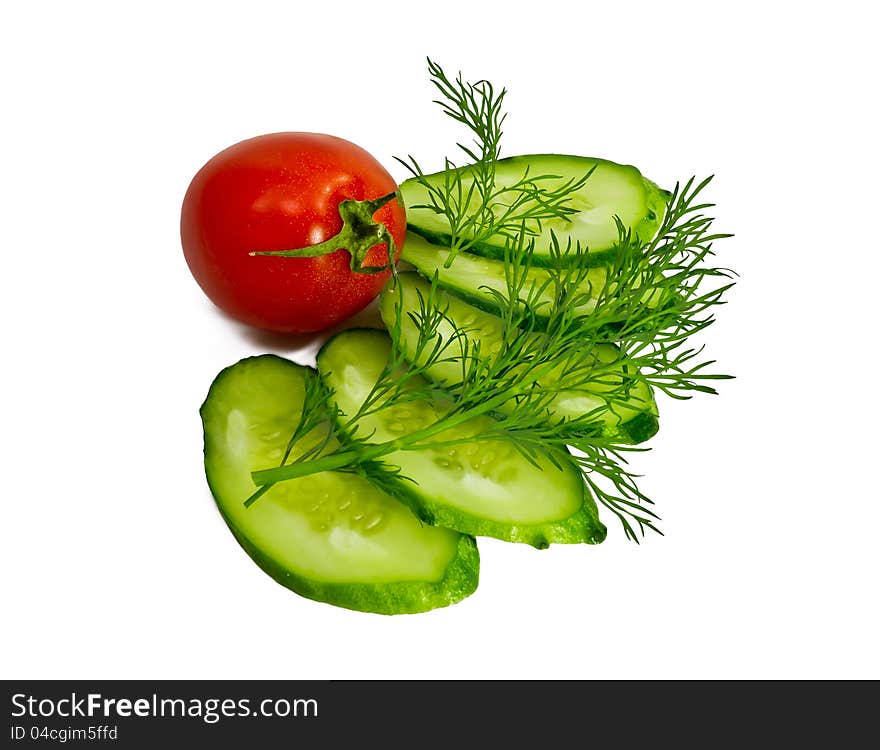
304, 468
351, 458
354, 457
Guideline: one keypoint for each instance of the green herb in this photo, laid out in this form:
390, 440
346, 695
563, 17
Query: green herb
655, 296
484, 209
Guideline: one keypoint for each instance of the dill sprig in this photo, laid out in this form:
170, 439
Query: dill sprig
649, 303
476, 207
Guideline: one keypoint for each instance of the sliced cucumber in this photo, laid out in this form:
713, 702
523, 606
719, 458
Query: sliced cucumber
631, 421
611, 190
484, 487
333, 537
471, 278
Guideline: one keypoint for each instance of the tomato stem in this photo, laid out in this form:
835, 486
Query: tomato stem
359, 234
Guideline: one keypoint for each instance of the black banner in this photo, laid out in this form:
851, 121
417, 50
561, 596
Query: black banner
263, 714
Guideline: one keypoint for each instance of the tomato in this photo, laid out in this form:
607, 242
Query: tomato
281, 192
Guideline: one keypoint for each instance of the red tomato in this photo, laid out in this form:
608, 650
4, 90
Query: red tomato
282, 192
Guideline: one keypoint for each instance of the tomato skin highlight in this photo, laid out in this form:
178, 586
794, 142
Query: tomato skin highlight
279, 192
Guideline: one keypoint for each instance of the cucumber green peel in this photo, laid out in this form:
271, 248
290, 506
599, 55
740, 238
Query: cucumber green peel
330, 536
632, 420
480, 487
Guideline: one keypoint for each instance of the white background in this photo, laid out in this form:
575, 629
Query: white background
115, 562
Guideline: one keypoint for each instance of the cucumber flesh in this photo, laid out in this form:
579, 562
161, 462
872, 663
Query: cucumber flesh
333, 537
484, 487
632, 421
611, 190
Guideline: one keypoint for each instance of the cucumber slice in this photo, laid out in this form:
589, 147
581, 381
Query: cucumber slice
611, 190
632, 421
484, 488
471, 277
333, 537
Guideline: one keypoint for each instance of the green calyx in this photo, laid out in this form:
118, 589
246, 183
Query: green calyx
358, 235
